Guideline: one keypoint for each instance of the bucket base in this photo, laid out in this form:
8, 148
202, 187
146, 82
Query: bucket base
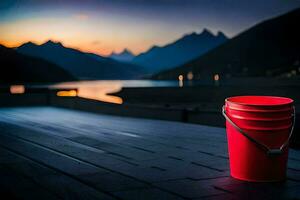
259, 181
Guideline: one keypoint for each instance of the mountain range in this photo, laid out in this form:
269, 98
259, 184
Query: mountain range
269, 48
17, 68
124, 65
179, 52
81, 65
124, 56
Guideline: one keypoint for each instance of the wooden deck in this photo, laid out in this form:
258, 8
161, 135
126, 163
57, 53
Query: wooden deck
54, 153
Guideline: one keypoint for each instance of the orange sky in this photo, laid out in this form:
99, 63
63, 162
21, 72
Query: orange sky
79, 31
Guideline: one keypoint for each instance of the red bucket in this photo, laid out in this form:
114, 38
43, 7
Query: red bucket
258, 132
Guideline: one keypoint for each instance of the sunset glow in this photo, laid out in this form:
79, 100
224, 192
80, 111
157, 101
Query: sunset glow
105, 26
86, 32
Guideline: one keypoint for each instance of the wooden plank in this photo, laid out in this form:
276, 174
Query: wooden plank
149, 174
15, 186
57, 162
58, 184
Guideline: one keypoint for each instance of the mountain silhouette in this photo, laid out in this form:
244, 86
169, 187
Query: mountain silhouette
124, 56
179, 52
81, 65
270, 48
19, 68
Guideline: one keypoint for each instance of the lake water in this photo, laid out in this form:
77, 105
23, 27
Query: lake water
118, 83
102, 90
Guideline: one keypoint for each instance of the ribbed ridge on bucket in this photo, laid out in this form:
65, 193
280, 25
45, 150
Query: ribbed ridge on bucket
266, 119
259, 103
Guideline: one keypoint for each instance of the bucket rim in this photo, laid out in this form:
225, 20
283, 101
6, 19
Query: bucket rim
289, 101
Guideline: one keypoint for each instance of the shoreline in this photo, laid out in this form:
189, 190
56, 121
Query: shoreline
198, 105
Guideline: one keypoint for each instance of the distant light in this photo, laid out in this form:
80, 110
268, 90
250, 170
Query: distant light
180, 77
180, 80
17, 89
294, 72
216, 77
190, 76
67, 93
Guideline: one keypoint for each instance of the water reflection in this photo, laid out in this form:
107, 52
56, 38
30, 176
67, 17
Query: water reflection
97, 89
67, 93
216, 79
180, 80
17, 89
91, 90
190, 76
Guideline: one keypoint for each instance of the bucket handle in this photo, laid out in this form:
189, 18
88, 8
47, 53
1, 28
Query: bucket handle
269, 151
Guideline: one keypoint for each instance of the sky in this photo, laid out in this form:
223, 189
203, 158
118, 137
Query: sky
103, 26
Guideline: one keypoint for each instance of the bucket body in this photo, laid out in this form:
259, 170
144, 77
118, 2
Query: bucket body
265, 119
